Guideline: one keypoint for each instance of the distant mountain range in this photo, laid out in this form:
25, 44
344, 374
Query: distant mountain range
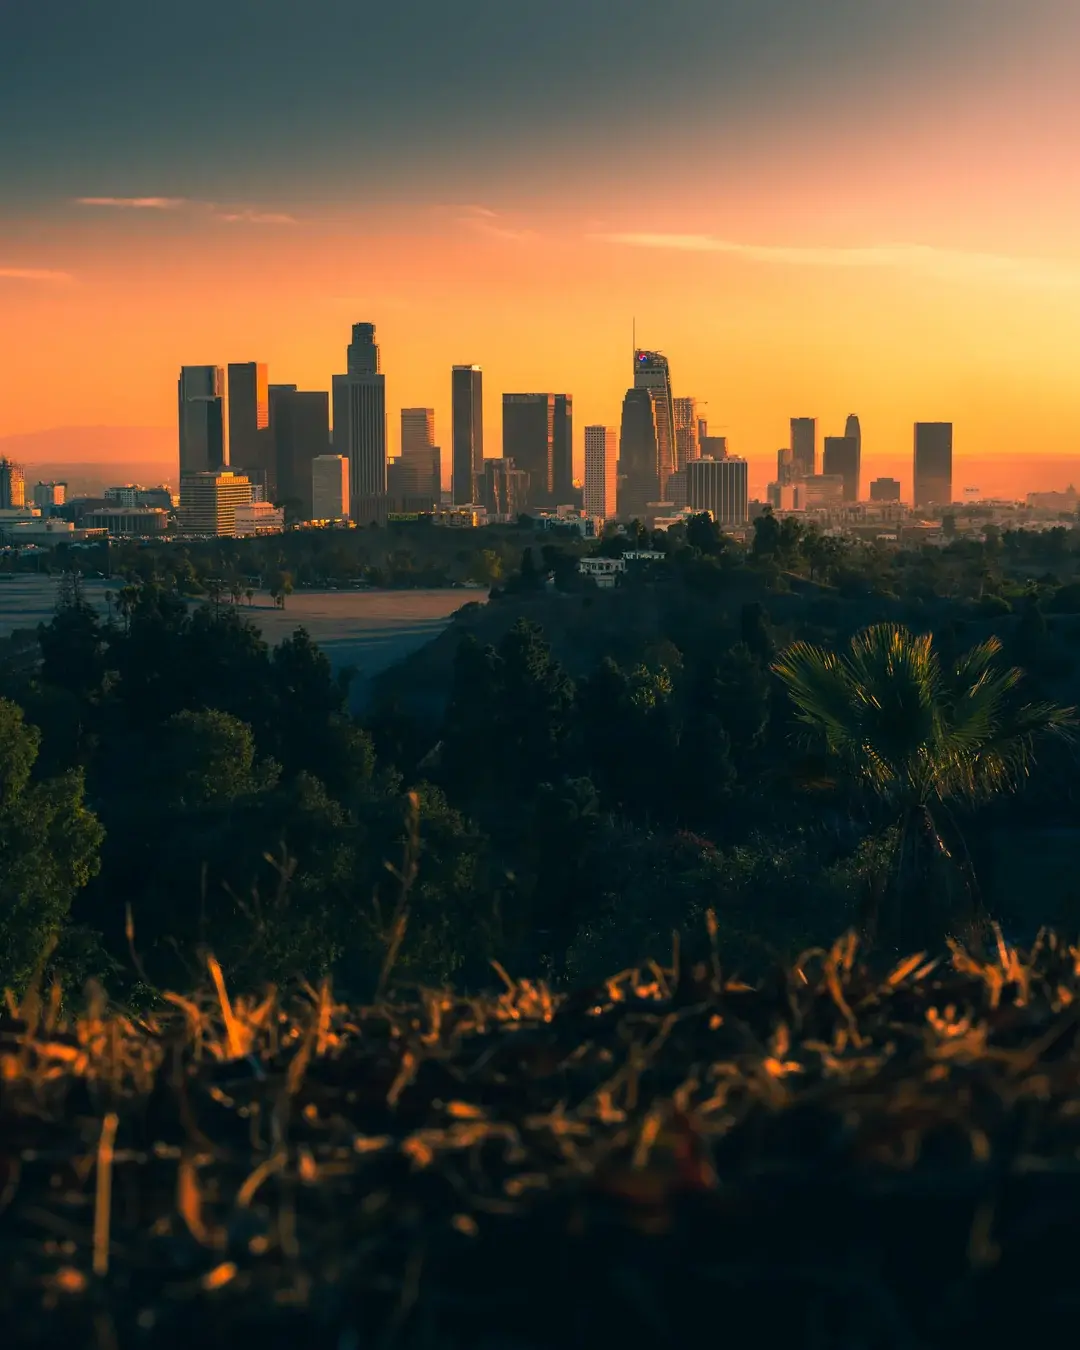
90, 459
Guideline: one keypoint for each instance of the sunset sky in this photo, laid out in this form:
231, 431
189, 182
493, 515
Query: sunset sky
813, 207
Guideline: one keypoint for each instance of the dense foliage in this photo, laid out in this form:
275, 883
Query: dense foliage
561, 780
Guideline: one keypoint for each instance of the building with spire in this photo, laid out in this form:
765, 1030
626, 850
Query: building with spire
652, 373
359, 404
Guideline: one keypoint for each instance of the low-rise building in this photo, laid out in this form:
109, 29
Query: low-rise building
258, 518
128, 521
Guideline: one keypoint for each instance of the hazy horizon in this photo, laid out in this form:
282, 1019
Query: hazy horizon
865, 207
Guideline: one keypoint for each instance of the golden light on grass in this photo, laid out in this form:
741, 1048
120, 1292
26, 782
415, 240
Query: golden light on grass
103, 1194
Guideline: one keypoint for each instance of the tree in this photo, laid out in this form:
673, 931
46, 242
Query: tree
49, 849
208, 759
920, 738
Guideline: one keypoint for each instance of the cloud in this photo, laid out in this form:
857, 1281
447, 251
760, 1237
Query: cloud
484, 221
136, 203
952, 264
33, 274
249, 217
232, 215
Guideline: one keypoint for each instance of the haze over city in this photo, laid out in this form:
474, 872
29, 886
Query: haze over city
809, 209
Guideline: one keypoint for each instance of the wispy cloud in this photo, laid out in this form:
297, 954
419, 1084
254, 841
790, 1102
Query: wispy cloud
482, 220
33, 274
232, 215
136, 203
956, 264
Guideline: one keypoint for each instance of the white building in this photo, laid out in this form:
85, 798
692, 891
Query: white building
329, 487
258, 518
601, 471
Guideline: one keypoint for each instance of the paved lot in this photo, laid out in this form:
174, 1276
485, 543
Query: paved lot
368, 630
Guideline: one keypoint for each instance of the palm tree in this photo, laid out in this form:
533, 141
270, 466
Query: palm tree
919, 739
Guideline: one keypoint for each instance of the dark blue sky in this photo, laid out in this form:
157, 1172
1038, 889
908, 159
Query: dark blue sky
336, 98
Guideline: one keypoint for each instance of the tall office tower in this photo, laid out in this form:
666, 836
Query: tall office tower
467, 431
360, 421
804, 445
687, 431
504, 489
208, 502
301, 435
419, 470
885, 490
250, 445
933, 463
785, 467
528, 438
201, 418
651, 371
852, 429
562, 451
639, 455
712, 447
362, 355
719, 486
12, 486
329, 487
842, 457
601, 471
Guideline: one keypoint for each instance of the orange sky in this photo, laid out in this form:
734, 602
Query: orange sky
895, 258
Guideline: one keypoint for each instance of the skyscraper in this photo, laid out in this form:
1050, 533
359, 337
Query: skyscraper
804, 446
562, 451
467, 430
601, 471
719, 486
652, 372
504, 489
687, 431
933, 463
301, 435
528, 438
12, 486
639, 454
201, 418
329, 487
360, 420
417, 474
842, 457
251, 449
852, 429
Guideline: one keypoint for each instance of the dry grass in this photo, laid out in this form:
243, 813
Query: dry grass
842, 1158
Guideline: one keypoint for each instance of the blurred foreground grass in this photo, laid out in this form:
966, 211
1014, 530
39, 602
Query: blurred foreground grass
843, 1157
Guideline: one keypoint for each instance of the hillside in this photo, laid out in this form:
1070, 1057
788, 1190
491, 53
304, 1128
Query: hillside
843, 1157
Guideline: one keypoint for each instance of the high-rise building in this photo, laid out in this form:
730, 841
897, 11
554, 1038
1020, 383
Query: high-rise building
785, 467
842, 457
933, 463
329, 487
301, 435
712, 447
12, 486
652, 372
415, 478
47, 495
804, 445
201, 419
528, 438
720, 486
821, 490
208, 502
854, 430
687, 431
601, 471
562, 451
251, 450
360, 418
885, 490
504, 489
467, 432
639, 454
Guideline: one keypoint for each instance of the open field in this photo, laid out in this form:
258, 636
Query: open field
844, 1157
367, 630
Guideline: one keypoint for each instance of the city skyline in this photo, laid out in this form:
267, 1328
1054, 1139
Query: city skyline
888, 227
